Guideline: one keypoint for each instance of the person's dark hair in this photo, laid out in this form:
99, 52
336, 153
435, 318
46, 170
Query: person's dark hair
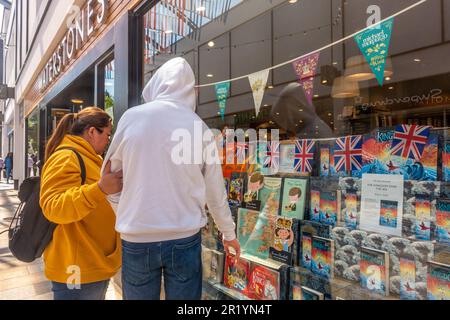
76, 124
295, 192
257, 177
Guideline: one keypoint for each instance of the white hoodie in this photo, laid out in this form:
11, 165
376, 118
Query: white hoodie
162, 200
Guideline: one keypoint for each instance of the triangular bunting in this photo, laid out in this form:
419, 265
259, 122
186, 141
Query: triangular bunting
305, 69
258, 82
374, 44
222, 90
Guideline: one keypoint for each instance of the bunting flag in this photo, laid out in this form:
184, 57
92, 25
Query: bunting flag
410, 140
304, 156
222, 90
348, 153
374, 44
272, 159
305, 69
258, 82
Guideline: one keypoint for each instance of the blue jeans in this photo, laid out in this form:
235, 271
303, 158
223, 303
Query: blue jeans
89, 291
179, 261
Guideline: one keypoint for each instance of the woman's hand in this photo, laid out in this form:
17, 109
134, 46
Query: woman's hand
111, 183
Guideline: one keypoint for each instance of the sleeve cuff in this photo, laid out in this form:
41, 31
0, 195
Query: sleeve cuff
95, 193
229, 236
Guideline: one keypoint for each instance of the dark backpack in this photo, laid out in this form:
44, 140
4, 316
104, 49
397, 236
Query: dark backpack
30, 232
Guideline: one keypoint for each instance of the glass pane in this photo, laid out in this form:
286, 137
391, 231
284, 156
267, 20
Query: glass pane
32, 145
109, 89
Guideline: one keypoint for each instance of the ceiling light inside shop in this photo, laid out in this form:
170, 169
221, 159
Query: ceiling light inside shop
343, 88
270, 87
292, 1
417, 60
359, 70
77, 101
388, 79
211, 44
168, 31
209, 75
391, 88
201, 9
316, 96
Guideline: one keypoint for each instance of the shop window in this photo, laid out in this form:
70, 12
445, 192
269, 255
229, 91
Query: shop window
32, 140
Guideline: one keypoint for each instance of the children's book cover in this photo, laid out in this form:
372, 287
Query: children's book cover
270, 195
237, 274
294, 195
287, 158
306, 257
236, 189
377, 152
315, 206
388, 213
424, 168
281, 248
310, 294
296, 292
438, 281
255, 232
423, 217
446, 162
328, 208
322, 257
264, 283
324, 161
351, 211
255, 184
407, 279
374, 270
226, 184
443, 221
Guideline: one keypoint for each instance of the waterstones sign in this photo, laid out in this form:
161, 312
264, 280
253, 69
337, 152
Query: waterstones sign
81, 25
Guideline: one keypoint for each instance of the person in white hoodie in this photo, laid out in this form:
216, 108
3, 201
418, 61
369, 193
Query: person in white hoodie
161, 208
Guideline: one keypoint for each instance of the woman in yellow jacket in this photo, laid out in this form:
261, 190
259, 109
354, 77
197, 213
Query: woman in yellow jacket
85, 251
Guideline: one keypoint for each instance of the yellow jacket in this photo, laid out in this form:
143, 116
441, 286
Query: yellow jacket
85, 237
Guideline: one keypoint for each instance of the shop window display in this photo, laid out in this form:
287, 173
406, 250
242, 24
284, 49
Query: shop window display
351, 202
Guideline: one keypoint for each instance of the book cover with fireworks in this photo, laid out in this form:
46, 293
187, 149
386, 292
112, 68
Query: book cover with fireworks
255, 232
388, 213
423, 218
315, 206
351, 210
264, 283
443, 221
446, 162
306, 256
438, 281
237, 274
309, 294
293, 200
270, 195
322, 257
407, 279
324, 162
329, 208
374, 270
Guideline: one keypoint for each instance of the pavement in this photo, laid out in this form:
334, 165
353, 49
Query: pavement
19, 280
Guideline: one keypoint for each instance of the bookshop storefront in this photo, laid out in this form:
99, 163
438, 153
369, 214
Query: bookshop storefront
352, 201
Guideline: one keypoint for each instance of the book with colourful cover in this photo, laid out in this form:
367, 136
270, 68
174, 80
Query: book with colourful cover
315, 206
407, 279
329, 208
388, 213
270, 195
350, 211
255, 184
310, 294
306, 257
374, 270
294, 196
324, 161
443, 221
423, 217
322, 263
446, 162
255, 232
309, 229
438, 281
236, 189
237, 274
376, 154
282, 247
264, 283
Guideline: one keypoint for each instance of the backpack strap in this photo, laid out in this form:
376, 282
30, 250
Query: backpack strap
80, 160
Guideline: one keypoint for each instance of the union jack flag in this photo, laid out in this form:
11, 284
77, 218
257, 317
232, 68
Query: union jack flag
304, 156
410, 140
348, 153
241, 152
272, 159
